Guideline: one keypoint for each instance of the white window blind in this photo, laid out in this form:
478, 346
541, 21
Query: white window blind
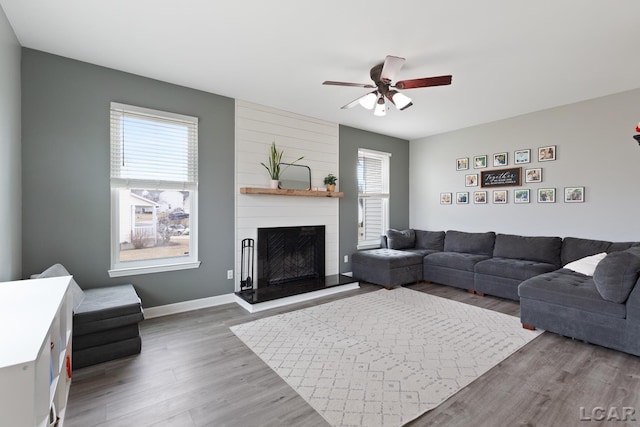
373, 196
152, 149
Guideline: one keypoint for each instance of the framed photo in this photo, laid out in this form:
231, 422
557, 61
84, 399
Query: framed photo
462, 164
546, 195
521, 196
574, 194
547, 153
533, 175
480, 162
499, 196
445, 198
480, 197
462, 197
500, 159
471, 180
522, 156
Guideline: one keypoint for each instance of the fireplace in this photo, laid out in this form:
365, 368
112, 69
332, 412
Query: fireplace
290, 255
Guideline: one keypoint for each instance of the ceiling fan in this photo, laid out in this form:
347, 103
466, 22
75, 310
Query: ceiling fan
382, 76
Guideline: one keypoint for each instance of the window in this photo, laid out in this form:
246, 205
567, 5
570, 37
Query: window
373, 197
154, 191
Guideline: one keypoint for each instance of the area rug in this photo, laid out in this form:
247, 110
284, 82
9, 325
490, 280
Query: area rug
385, 357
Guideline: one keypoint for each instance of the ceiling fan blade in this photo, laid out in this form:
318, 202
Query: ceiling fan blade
330, 83
425, 82
355, 101
392, 64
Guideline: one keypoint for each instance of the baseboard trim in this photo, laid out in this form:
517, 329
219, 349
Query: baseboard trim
254, 308
181, 307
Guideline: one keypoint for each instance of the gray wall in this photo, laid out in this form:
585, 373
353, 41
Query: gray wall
66, 197
595, 149
350, 140
10, 182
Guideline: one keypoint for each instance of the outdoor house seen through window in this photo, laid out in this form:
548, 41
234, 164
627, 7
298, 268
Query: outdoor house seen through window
154, 189
373, 197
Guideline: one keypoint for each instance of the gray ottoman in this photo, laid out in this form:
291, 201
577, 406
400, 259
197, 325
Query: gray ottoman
387, 267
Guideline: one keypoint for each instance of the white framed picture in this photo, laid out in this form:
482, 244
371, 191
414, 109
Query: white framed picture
546, 195
522, 156
500, 196
521, 195
574, 194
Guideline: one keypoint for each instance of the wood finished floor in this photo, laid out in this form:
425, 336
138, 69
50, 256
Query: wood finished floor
193, 371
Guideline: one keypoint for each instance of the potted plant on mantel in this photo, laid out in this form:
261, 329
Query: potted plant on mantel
330, 182
274, 168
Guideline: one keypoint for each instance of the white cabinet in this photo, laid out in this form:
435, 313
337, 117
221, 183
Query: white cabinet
35, 349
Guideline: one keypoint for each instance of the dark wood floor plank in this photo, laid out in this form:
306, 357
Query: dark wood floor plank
193, 371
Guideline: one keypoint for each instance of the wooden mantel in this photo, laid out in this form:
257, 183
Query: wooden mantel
281, 192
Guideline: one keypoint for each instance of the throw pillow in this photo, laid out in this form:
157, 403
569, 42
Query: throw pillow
58, 270
616, 275
586, 265
404, 239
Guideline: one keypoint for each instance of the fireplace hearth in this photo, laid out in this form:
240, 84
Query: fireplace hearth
291, 261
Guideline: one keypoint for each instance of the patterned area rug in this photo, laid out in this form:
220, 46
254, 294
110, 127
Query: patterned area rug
385, 357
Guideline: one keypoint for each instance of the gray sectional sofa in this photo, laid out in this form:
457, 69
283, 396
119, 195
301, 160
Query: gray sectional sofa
600, 306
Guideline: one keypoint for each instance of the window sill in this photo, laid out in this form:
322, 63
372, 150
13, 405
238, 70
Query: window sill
159, 268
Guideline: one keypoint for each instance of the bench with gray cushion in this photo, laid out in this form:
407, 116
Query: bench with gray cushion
105, 321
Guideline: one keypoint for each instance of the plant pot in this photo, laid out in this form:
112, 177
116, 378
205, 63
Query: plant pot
275, 183
331, 187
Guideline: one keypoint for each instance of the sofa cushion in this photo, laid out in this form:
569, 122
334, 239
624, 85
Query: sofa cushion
541, 249
586, 265
517, 269
386, 258
472, 243
404, 239
454, 260
574, 248
421, 252
58, 270
565, 288
105, 303
433, 240
616, 275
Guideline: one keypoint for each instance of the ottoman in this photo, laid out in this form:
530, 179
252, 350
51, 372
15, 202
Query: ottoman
387, 267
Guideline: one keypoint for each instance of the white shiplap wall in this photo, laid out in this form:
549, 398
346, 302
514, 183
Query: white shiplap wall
257, 127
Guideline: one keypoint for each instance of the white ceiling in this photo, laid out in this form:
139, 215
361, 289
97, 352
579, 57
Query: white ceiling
507, 57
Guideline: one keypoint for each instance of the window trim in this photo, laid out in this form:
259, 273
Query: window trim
116, 184
384, 196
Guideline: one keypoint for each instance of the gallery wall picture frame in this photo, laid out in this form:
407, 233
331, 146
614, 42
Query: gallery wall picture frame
547, 153
499, 197
480, 162
462, 197
462, 164
500, 159
471, 180
508, 177
546, 195
533, 175
522, 156
521, 195
574, 194
480, 197
445, 198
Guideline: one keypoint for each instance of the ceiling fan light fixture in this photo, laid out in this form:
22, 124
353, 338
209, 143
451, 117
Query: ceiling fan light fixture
400, 100
381, 108
369, 100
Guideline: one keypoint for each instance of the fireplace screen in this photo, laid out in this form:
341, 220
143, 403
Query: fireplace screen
288, 254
